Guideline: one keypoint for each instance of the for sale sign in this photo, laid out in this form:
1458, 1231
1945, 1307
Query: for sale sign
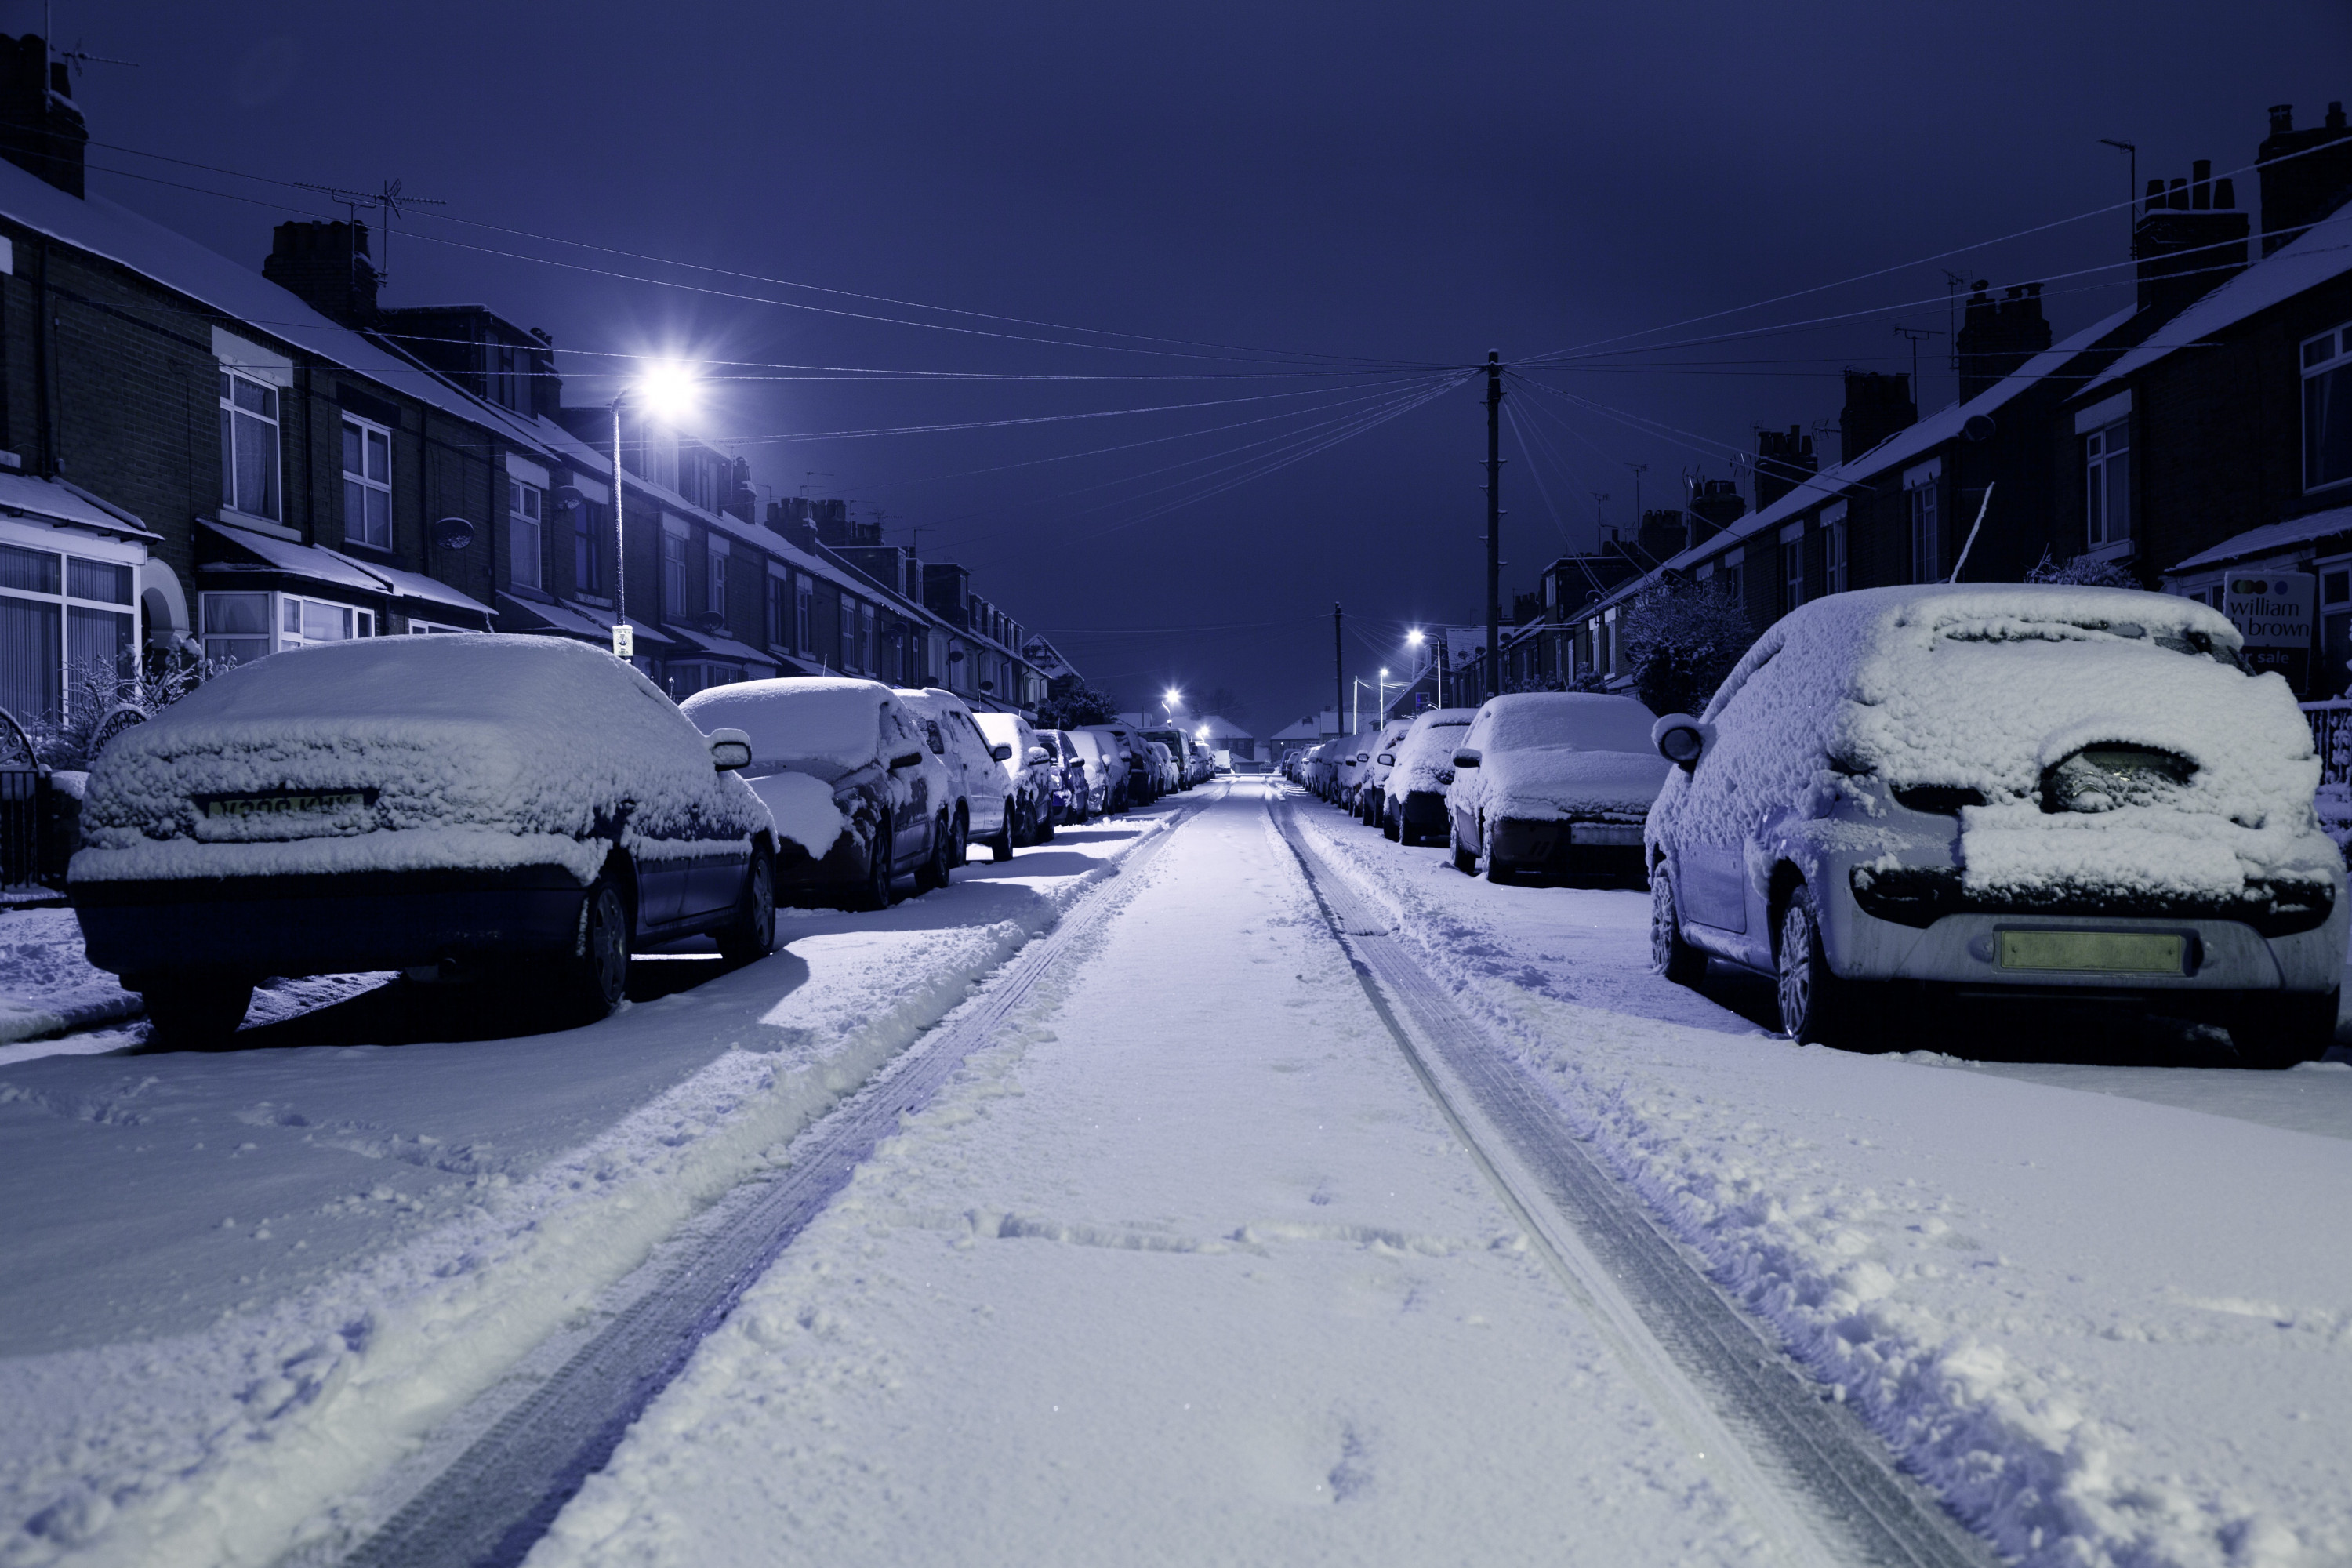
2272, 610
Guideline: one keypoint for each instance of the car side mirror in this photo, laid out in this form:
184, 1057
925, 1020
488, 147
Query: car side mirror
1039, 755
1680, 739
1002, 753
1466, 758
906, 760
1388, 759
730, 750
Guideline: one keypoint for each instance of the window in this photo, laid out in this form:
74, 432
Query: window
847, 654
717, 585
1926, 540
523, 505
2106, 483
367, 482
1793, 574
2328, 409
1833, 576
2335, 627
804, 623
60, 627
248, 438
238, 628
585, 532
869, 656
780, 591
673, 576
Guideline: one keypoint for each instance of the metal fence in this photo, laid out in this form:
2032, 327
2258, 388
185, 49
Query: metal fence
2331, 735
23, 807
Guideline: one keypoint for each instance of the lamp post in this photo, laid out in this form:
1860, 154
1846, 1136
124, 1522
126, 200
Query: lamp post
1381, 709
664, 392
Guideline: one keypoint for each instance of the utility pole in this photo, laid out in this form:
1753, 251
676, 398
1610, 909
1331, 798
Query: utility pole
1494, 522
1339, 669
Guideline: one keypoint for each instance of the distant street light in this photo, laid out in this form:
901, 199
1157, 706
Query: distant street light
666, 390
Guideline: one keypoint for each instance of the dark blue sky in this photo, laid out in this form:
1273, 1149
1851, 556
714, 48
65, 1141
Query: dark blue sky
1353, 194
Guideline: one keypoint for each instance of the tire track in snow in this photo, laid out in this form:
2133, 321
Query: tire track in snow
497, 1474
1814, 1478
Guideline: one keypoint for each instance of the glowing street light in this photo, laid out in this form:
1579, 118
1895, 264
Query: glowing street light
665, 391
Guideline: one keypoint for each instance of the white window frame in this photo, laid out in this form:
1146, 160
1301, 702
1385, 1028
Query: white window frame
675, 539
714, 572
846, 635
1924, 506
357, 529
526, 532
2107, 456
362, 622
64, 601
804, 613
235, 419
1835, 563
2326, 358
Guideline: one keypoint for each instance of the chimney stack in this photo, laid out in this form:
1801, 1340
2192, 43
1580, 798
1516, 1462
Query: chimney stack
1783, 461
41, 131
1997, 337
2189, 241
325, 266
1714, 505
2301, 190
1876, 406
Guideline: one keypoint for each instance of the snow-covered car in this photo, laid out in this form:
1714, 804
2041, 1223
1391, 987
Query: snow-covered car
1355, 755
1101, 767
1371, 792
848, 774
1180, 756
1066, 775
455, 803
1164, 775
987, 817
2037, 793
1413, 808
1129, 784
1027, 767
1553, 781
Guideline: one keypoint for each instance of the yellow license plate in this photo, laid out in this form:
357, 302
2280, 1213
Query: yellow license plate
2095, 951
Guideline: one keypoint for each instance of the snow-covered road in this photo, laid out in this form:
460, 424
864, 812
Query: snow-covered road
1184, 1263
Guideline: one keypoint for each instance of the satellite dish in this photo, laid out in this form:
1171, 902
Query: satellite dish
453, 533
568, 497
1979, 427
956, 657
713, 620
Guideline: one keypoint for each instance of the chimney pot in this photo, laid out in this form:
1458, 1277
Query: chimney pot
2336, 115
2201, 183
60, 81
2282, 119
2155, 199
2225, 194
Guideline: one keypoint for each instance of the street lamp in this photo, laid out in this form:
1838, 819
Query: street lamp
664, 392
1170, 701
1381, 712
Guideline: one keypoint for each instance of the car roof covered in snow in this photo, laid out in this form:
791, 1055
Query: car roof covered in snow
829, 725
1578, 721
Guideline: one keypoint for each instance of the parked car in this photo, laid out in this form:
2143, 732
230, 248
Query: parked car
1103, 765
1372, 798
1130, 779
1026, 765
1413, 794
1554, 781
988, 817
1179, 753
1165, 778
848, 776
1067, 778
2037, 793
463, 801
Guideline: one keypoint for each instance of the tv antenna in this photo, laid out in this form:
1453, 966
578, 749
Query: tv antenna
388, 199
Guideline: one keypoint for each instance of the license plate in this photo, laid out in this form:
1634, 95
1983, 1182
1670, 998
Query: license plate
292, 803
1603, 833
2095, 951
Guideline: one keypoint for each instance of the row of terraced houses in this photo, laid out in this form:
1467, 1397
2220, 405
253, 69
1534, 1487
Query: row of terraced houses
2199, 437
199, 456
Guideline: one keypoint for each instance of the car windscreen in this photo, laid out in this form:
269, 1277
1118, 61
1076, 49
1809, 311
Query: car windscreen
1574, 721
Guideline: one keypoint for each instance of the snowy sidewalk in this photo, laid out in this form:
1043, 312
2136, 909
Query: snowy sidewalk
1194, 1271
240, 1283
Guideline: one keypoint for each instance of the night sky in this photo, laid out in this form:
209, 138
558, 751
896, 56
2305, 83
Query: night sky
1294, 215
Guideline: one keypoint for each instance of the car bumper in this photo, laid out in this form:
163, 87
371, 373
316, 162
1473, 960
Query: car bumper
1978, 952
1563, 845
842, 866
1423, 811
324, 924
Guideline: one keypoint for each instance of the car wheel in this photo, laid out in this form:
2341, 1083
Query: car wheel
753, 933
1491, 862
1465, 859
589, 981
2281, 1031
1046, 828
1000, 847
874, 893
1816, 1006
1670, 955
1392, 824
194, 1014
961, 839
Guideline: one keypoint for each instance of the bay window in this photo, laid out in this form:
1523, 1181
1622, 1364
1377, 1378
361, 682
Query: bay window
240, 627
66, 621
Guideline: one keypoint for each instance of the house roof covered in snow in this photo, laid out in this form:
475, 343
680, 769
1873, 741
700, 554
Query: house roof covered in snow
2270, 537
2321, 253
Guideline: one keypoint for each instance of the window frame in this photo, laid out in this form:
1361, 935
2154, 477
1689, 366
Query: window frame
67, 603
364, 483
1836, 562
1925, 512
364, 621
232, 418
526, 522
2104, 463
2333, 370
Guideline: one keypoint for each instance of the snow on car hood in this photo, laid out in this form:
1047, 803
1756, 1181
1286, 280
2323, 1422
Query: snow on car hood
399, 754
1554, 782
1990, 688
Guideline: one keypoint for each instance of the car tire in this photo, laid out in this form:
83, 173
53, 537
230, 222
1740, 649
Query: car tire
589, 981
1000, 845
753, 933
1670, 955
1465, 859
2283, 1031
939, 861
194, 1014
960, 838
1816, 1006
1490, 863
1046, 826
873, 892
